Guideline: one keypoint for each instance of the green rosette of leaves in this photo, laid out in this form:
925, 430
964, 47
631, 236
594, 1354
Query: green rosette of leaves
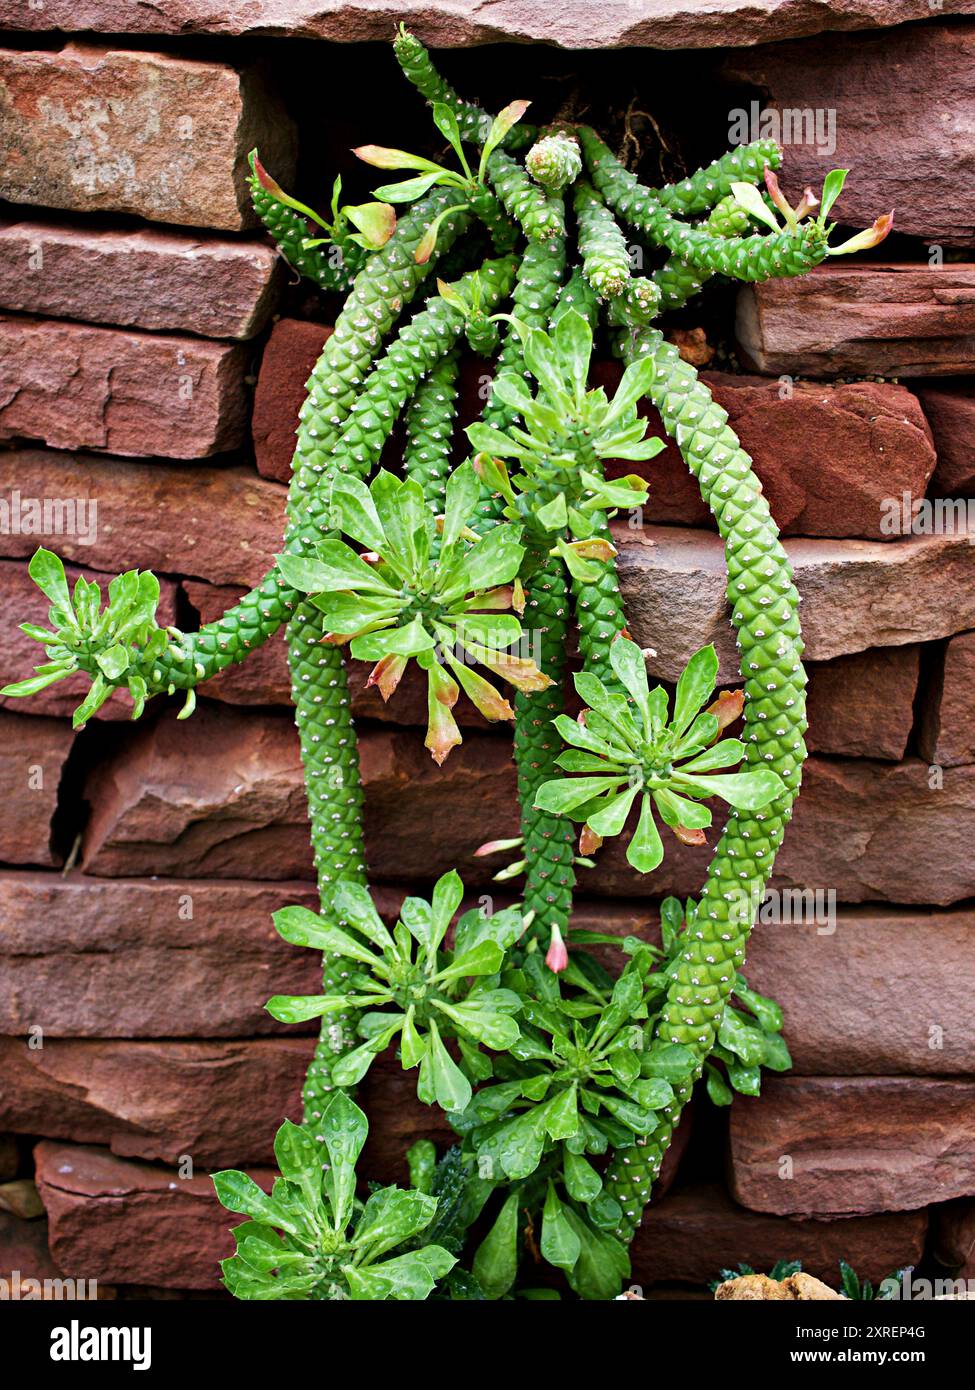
582, 1078
431, 590
559, 494
669, 761
311, 1238
411, 988
122, 640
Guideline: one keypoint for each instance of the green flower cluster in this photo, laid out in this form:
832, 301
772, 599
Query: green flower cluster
669, 760
429, 590
312, 1238
117, 645
412, 987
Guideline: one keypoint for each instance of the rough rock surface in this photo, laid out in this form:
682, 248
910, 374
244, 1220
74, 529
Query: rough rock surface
122, 959
892, 993
213, 797
218, 1103
797, 1288
947, 729
148, 958
855, 594
696, 1231
291, 351
953, 1237
950, 410
128, 393
220, 524
846, 1146
827, 455
202, 799
656, 24
21, 600
23, 1248
97, 129
134, 1223
128, 1222
924, 169
212, 805
865, 318
33, 751
141, 279
862, 705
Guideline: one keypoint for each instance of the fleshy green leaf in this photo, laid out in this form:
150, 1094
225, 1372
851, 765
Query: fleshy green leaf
494, 1030
560, 1245
462, 493
573, 343
495, 1265
411, 1277
694, 687
352, 903
390, 1217
612, 817
645, 851
566, 794
409, 640
343, 1128
832, 188
302, 927
747, 791
47, 572
483, 959
335, 566
451, 1087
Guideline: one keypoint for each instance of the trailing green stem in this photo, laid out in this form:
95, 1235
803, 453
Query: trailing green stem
548, 842
759, 257
430, 420
474, 122
765, 612
706, 187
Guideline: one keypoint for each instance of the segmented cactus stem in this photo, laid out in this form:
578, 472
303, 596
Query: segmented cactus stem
474, 122
332, 267
676, 280
387, 283
750, 258
548, 841
706, 187
540, 215
605, 254
537, 283
430, 420
765, 613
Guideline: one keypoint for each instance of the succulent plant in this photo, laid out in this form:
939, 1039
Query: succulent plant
428, 592
411, 986
541, 1059
121, 641
312, 1238
667, 759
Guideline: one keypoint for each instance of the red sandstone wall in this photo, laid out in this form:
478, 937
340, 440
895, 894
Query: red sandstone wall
152, 355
